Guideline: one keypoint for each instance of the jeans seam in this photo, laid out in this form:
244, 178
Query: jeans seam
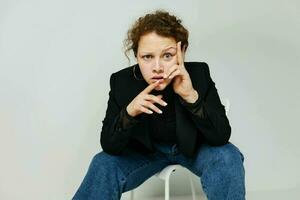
124, 176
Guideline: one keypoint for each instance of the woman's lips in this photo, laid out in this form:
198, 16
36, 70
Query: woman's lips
157, 77
161, 79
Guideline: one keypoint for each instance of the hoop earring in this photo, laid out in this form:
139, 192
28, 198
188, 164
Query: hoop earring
139, 79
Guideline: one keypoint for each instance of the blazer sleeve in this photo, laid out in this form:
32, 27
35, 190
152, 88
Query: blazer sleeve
116, 129
208, 114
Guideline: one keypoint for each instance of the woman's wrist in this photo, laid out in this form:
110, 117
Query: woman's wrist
129, 112
191, 97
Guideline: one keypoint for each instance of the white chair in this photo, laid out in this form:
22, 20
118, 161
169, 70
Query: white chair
167, 171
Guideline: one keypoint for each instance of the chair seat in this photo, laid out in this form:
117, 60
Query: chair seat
163, 174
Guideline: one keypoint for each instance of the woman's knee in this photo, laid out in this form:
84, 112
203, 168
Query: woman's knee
229, 155
103, 161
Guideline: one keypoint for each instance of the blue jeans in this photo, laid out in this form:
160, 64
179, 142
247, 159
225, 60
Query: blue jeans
220, 168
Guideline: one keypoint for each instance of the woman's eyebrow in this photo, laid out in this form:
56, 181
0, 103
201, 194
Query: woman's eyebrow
169, 48
145, 52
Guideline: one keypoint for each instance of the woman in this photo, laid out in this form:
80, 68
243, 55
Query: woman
163, 111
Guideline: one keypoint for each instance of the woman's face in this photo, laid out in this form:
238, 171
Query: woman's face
155, 55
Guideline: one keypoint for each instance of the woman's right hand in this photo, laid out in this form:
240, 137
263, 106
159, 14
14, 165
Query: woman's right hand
144, 102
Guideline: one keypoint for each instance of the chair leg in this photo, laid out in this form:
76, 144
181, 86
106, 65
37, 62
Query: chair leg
131, 194
167, 187
192, 187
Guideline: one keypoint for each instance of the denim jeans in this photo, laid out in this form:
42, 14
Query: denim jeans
220, 168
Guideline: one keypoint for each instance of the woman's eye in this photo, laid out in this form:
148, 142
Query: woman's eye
168, 55
147, 57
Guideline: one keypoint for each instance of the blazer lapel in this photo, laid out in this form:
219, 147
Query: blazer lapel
185, 131
141, 131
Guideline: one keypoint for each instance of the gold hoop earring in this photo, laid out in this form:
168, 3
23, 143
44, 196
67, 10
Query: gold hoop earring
135, 74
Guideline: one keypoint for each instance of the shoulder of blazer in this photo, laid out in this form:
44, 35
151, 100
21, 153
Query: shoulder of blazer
125, 87
123, 73
197, 67
199, 74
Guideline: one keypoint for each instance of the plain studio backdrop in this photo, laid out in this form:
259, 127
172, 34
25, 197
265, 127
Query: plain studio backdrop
56, 58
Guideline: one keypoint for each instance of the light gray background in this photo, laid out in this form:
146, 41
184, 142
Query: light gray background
56, 58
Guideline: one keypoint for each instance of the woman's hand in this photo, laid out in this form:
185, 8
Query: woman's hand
144, 102
182, 84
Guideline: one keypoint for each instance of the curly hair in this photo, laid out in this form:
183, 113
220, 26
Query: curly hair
160, 22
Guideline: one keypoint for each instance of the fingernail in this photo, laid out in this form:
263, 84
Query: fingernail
165, 103
160, 112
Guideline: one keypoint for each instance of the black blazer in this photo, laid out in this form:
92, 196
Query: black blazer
211, 126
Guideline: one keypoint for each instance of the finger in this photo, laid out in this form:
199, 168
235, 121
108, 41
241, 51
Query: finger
150, 87
175, 73
179, 53
158, 96
183, 53
155, 99
150, 105
171, 70
145, 110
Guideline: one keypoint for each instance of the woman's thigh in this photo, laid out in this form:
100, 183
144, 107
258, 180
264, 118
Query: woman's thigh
131, 168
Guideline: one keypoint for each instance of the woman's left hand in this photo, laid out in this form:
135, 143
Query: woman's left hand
182, 84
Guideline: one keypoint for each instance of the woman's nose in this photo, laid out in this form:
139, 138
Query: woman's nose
157, 68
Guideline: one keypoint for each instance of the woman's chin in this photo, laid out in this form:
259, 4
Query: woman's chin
161, 86
158, 88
